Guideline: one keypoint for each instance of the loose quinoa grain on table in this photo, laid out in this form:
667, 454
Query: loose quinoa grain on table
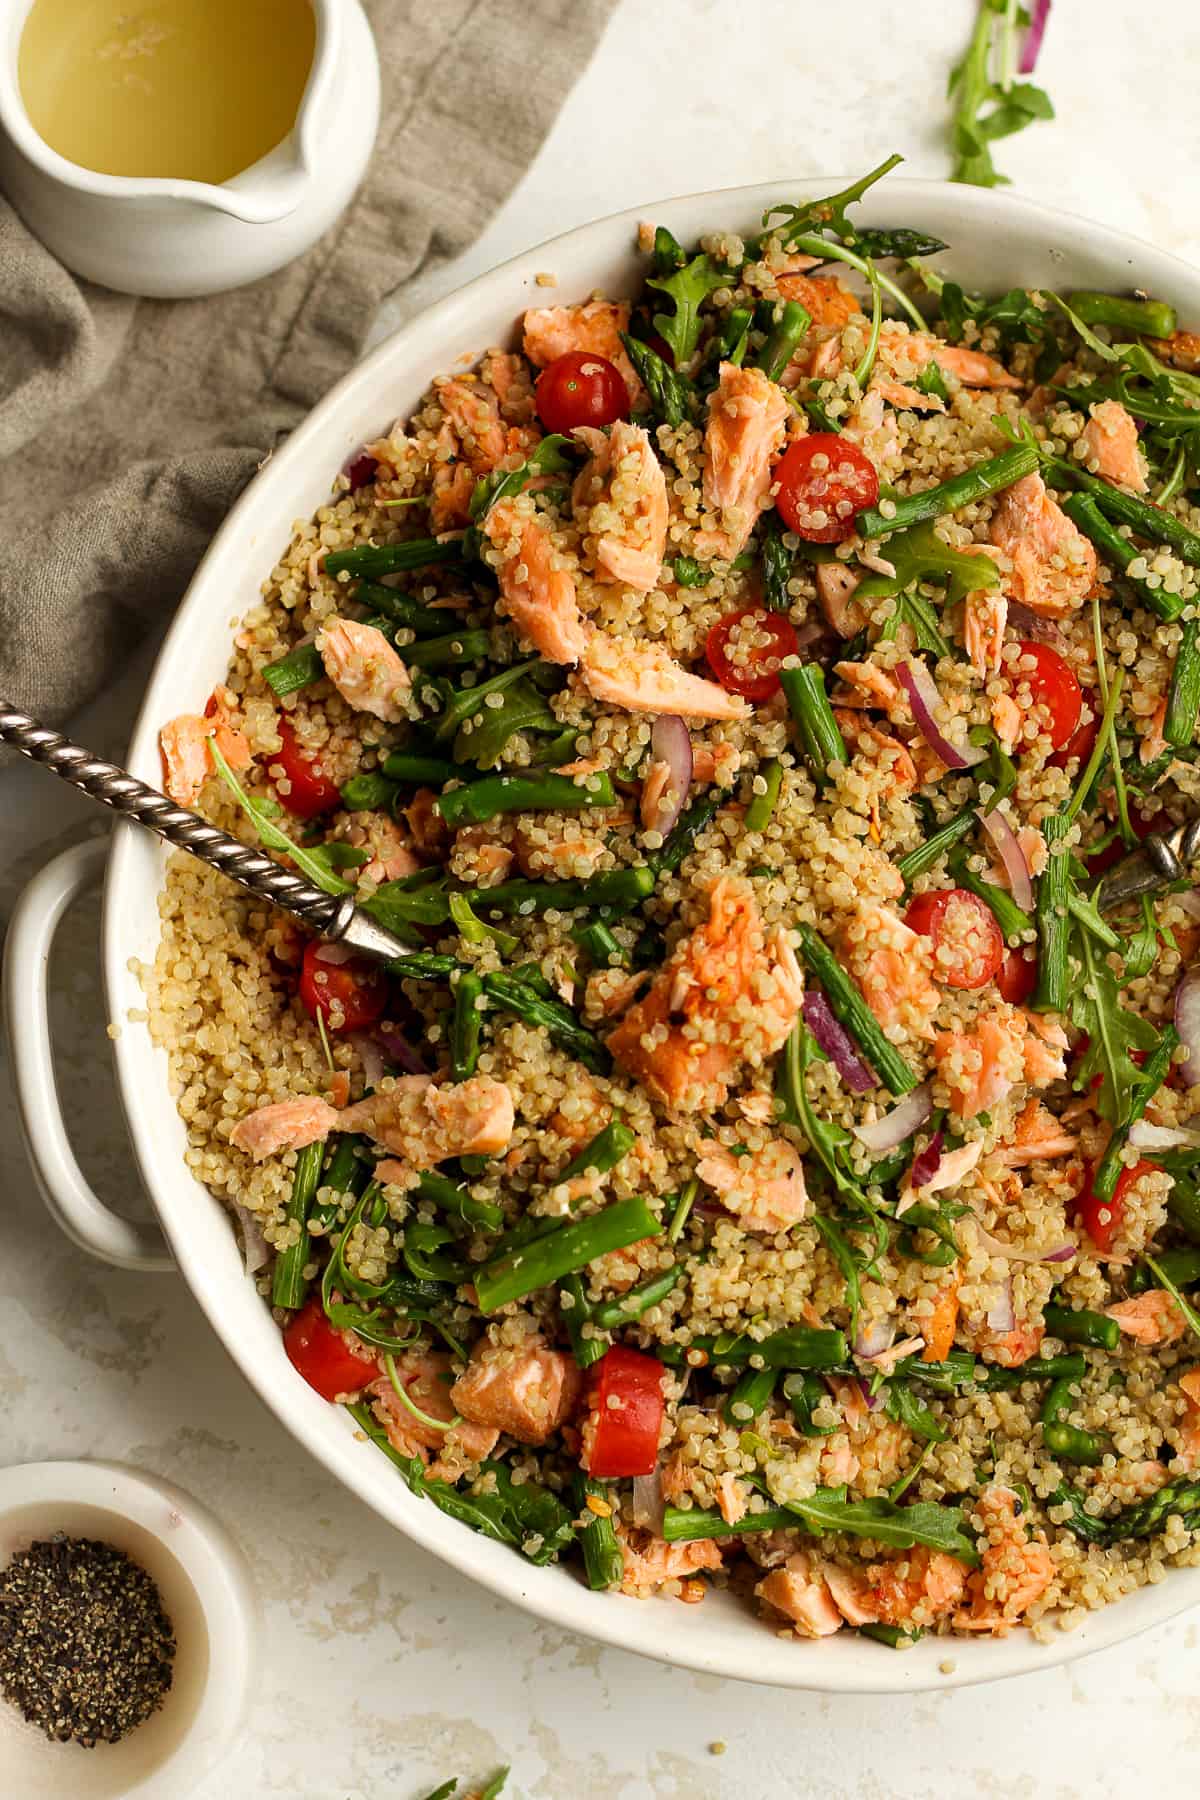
769, 1166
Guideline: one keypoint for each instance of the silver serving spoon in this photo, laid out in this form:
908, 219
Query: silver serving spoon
333, 916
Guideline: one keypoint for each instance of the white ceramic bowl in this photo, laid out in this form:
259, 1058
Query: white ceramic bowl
997, 241
208, 1597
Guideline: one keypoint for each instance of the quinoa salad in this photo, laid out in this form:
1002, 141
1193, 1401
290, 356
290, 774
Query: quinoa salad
773, 1164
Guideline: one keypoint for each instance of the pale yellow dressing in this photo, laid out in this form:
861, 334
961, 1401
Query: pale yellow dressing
195, 89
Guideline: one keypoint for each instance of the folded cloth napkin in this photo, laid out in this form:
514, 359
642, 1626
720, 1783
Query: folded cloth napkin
128, 426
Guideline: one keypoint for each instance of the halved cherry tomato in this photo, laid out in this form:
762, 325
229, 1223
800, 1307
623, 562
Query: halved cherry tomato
580, 388
1102, 1219
1082, 740
823, 482
321, 1354
350, 994
625, 1415
745, 648
1017, 976
1143, 824
1052, 683
968, 944
310, 791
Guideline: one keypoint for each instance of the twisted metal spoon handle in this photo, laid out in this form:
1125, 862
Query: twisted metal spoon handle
334, 916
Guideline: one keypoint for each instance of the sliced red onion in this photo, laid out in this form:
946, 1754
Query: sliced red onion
885, 1361
873, 1337
925, 700
1031, 625
1189, 902
874, 1401
1007, 846
335, 954
996, 1247
1063, 1254
648, 1502
670, 744
895, 1126
925, 1166
401, 1052
1033, 37
1187, 1024
1145, 1136
837, 1043
256, 1252
370, 1055
1000, 1315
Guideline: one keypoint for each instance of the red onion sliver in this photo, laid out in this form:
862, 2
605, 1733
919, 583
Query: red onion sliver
873, 1337
1000, 1315
256, 1252
1063, 1254
670, 744
1008, 848
925, 1166
837, 1043
873, 1400
996, 1247
925, 700
884, 1134
370, 1055
1187, 1024
648, 1501
401, 1052
1033, 37
1145, 1136
1031, 625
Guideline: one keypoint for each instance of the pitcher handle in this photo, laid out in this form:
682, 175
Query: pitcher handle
73, 1206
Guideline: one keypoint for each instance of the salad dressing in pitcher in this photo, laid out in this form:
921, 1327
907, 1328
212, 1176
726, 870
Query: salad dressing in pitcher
197, 90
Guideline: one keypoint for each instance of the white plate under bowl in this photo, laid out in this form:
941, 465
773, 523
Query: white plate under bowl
208, 1597
997, 241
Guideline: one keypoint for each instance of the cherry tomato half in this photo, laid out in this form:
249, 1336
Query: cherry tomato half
1102, 1219
1082, 740
823, 482
1017, 976
968, 945
1053, 686
350, 994
322, 1355
1143, 824
745, 648
310, 791
625, 1402
580, 388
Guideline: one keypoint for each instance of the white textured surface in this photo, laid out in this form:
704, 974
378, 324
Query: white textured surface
383, 1672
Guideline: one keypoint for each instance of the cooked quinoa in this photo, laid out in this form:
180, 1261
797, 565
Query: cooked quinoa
778, 1199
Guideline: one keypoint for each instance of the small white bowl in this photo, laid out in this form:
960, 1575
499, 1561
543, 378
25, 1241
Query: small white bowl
208, 1596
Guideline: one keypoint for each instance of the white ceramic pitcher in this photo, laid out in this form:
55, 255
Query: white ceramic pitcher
175, 239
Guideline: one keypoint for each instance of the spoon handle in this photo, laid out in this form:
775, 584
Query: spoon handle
333, 916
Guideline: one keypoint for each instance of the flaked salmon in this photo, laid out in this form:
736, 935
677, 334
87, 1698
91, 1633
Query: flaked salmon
1052, 564
537, 586
619, 499
364, 668
748, 419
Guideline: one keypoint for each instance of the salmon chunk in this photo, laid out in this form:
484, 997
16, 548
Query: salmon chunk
550, 331
184, 746
747, 424
727, 995
527, 1392
1016, 1568
539, 595
910, 352
939, 1328
474, 413
364, 668
1110, 441
836, 585
893, 966
427, 1380
620, 499
1037, 1135
825, 299
765, 1190
1150, 1318
643, 677
650, 1562
985, 614
283, 1125
424, 1124
1189, 1430
801, 1593
1053, 564
982, 1064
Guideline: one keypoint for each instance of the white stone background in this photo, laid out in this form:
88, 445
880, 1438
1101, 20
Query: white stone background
382, 1671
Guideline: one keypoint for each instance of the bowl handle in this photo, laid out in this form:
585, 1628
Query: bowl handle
71, 1203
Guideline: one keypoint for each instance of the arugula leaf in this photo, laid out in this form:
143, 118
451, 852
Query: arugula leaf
828, 214
688, 288
1112, 1034
932, 381
1141, 948
501, 484
919, 554
1106, 352
913, 611
925, 1522
445, 1792
843, 1256
495, 1785
827, 1140
907, 1409
1012, 106
318, 868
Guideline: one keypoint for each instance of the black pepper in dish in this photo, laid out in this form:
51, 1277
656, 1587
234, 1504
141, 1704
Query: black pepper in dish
86, 1649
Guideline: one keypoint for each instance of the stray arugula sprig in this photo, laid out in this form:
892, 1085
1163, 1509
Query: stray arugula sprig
988, 109
687, 289
317, 863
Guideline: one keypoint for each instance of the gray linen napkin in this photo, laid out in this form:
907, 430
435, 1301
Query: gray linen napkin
127, 427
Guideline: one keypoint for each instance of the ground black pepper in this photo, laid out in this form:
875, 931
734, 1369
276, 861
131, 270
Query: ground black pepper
86, 1649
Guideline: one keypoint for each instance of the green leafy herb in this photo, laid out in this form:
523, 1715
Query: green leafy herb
1113, 1033
316, 864
988, 109
828, 1141
813, 217
548, 458
687, 289
909, 1410
925, 1522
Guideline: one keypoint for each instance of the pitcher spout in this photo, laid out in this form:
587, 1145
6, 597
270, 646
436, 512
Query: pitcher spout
271, 190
